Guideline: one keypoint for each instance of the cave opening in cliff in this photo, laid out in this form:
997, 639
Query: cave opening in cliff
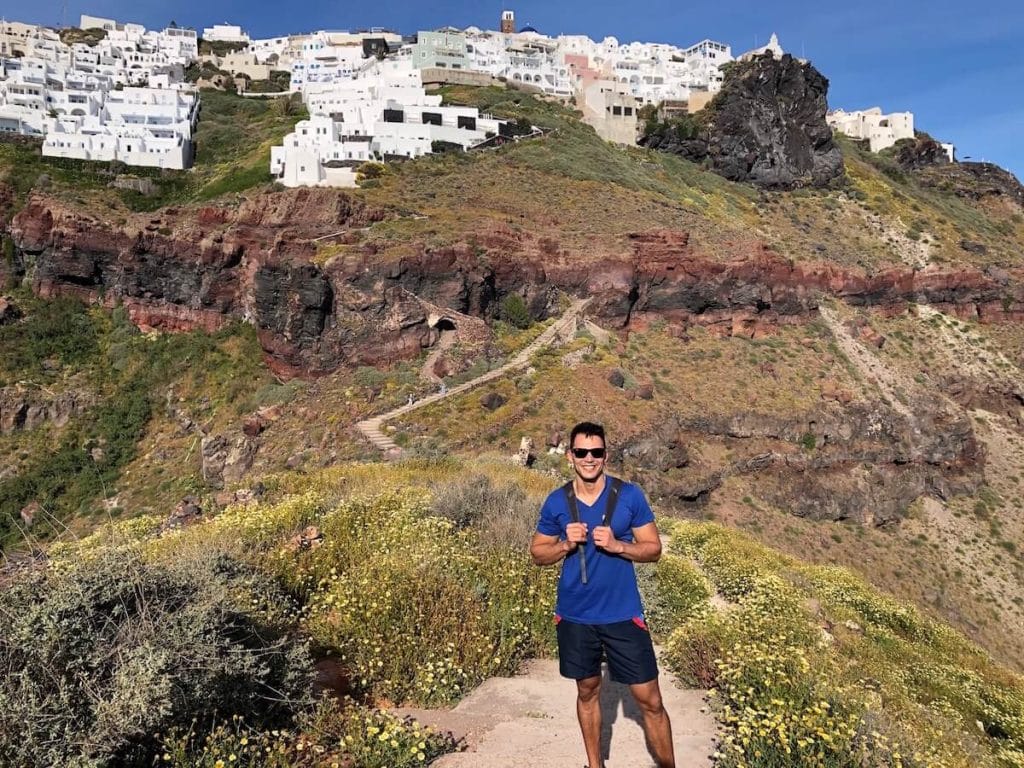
445, 324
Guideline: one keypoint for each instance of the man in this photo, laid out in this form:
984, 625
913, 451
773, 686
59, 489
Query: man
598, 612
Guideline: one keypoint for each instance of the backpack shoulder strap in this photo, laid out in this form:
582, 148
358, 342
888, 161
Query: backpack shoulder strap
613, 499
574, 515
570, 497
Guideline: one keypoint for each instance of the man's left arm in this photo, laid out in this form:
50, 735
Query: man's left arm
645, 547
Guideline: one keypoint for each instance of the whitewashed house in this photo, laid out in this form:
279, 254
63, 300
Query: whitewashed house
383, 114
320, 61
881, 131
268, 50
137, 126
225, 33
132, 145
123, 98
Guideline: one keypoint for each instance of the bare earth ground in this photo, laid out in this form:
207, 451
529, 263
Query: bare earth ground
530, 720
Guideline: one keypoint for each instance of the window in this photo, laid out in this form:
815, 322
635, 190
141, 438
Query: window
629, 111
616, 110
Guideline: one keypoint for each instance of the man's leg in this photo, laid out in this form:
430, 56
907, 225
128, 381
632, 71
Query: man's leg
588, 710
657, 727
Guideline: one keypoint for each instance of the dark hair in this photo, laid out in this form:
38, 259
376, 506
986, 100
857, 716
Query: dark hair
588, 429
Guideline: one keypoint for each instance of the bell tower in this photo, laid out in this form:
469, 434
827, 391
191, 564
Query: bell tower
508, 22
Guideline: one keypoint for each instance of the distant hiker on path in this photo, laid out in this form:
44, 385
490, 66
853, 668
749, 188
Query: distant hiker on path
600, 526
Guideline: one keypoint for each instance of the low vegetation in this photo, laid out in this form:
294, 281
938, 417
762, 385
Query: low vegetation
808, 665
416, 608
418, 600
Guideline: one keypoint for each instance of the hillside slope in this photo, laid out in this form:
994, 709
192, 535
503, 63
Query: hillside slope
837, 372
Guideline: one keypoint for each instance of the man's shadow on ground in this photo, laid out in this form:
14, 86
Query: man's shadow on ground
615, 697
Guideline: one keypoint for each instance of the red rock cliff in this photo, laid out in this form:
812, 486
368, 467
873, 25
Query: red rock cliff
258, 262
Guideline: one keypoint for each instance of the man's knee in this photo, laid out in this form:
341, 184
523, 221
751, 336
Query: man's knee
648, 697
588, 688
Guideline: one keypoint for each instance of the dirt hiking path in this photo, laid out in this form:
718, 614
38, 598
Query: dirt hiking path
529, 721
373, 428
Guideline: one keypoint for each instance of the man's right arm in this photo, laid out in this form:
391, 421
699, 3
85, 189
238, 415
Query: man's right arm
547, 550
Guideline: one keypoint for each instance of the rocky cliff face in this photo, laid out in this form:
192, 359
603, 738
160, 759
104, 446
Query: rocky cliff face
766, 126
977, 181
920, 152
24, 407
862, 461
258, 263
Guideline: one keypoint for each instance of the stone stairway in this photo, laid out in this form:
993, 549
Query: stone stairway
373, 429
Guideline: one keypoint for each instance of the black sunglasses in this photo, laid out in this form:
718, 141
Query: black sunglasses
581, 453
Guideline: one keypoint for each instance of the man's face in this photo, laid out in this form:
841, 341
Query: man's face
588, 467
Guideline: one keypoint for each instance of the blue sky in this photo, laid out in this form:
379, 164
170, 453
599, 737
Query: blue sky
958, 66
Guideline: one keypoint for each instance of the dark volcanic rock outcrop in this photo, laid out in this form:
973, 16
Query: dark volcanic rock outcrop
9, 311
863, 462
920, 152
976, 181
766, 126
23, 407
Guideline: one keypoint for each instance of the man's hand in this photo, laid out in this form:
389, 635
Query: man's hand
604, 538
575, 533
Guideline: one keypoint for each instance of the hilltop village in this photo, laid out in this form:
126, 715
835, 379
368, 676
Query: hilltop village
112, 91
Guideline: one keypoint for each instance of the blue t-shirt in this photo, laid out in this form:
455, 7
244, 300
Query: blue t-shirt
611, 593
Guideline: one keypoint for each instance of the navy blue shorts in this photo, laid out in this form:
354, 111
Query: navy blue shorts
626, 645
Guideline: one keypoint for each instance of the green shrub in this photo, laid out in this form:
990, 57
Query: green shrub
350, 734
513, 311
103, 654
682, 592
61, 330
370, 170
417, 610
500, 513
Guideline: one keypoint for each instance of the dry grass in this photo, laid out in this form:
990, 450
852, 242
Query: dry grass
704, 376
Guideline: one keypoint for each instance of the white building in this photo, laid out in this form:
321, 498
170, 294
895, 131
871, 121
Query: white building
225, 33
383, 114
321, 61
123, 98
131, 145
772, 47
268, 50
137, 126
881, 131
